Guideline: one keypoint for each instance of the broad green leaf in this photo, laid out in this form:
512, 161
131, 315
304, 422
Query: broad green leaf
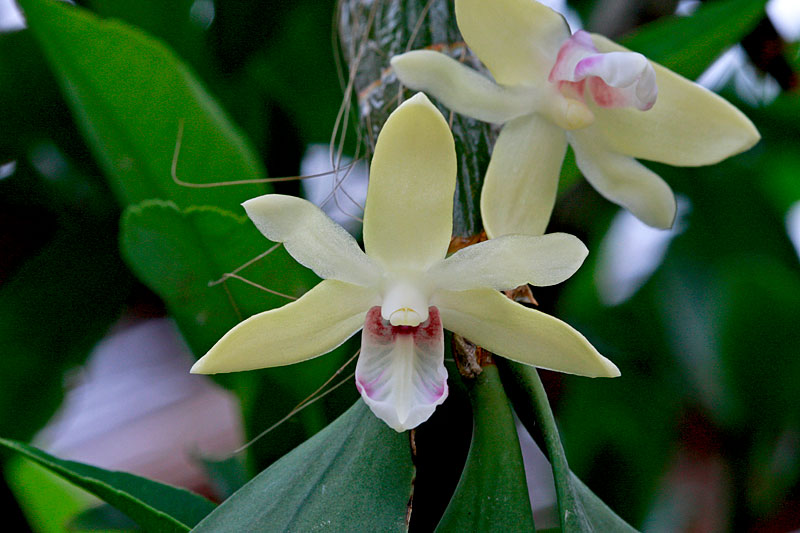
46, 501
492, 494
580, 510
176, 23
152, 505
130, 93
178, 252
102, 518
688, 45
355, 475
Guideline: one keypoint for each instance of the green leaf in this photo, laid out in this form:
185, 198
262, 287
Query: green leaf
152, 505
129, 93
579, 508
688, 45
177, 252
492, 494
47, 502
354, 475
102, 518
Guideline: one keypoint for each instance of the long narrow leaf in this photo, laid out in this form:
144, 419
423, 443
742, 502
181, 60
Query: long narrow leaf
492, 494
154, 506
580, 510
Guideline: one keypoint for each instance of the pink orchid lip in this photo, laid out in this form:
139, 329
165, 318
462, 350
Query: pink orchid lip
616, 79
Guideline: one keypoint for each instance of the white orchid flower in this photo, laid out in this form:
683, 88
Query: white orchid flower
403, 290
554, 89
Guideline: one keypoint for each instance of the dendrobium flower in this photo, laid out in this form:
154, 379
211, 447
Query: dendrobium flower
404, 290
552, 89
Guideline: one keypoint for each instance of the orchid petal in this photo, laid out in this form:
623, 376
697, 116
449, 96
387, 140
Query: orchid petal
400, 372
408, 219
459, 87
312, 238
506, 328
624, 181
510, 261
521, 182
322, 319
517, 40
688, 125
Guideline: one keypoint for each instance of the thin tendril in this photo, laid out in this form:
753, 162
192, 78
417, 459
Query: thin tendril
256, 285
177, 180
309, 400
247, 264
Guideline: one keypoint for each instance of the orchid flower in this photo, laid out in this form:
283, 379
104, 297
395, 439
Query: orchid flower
403, 290
552, 89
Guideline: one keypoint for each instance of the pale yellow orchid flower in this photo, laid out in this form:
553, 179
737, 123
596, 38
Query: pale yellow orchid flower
403, 290
553, 89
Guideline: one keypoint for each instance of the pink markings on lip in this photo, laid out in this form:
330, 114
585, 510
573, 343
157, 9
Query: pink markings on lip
376, 326
383, 332
580, 66
571, 52
604, 95
572, 89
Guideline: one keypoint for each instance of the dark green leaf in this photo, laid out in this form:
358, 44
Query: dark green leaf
152, 505
688, 45
102, 518
129, 93
579, 508
492, 494
355, 475
182, 28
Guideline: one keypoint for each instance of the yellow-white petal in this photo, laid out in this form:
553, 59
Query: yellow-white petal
312, 238
517, 40
400, 371
492, 321
624, 181
688, 125
510, 261
461, 88
521, 182
408, 219
321, 320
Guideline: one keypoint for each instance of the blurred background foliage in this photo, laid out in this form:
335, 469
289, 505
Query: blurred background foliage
707, 408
